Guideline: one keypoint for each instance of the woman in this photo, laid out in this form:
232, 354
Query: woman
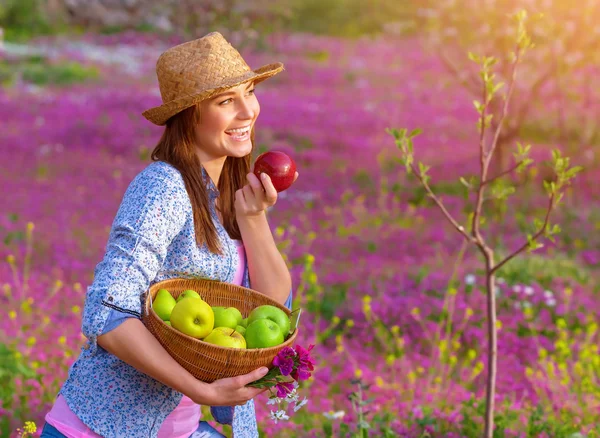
196, 210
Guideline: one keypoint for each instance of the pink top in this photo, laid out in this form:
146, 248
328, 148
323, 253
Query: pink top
180, 423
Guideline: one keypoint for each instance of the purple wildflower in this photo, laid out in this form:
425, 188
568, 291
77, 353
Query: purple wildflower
284, 388
285, 360
305, 364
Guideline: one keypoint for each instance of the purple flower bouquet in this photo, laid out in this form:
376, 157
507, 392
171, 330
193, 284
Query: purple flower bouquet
291, 366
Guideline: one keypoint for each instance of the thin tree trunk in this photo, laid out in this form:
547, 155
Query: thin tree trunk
493, 345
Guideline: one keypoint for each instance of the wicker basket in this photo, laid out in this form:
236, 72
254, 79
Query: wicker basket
209, 362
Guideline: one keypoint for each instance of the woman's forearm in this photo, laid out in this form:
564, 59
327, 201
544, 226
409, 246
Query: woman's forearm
134, 344
268, 271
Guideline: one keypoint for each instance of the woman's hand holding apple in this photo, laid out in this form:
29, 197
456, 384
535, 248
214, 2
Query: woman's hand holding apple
256, 196
231, 391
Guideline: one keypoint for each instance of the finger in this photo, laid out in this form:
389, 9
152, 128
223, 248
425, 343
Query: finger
240, 201
249, 195
296, 175
250, 393
240, 197
270, 191
256, 185
252, 376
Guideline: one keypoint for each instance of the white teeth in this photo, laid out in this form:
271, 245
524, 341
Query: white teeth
238, 130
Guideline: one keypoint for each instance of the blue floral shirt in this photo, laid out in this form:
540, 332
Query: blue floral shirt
152, 239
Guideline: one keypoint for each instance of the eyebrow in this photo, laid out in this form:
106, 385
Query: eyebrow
230, 93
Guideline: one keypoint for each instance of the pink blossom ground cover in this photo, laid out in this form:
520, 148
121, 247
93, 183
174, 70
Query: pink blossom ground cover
393, 301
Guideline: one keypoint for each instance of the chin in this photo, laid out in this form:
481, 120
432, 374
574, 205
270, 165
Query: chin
240, 151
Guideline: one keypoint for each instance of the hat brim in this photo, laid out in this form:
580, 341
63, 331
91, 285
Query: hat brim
160, 114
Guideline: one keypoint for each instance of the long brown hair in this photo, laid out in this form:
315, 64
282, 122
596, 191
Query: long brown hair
177, 146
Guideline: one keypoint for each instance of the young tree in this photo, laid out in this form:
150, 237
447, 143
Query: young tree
556, 82
472, 232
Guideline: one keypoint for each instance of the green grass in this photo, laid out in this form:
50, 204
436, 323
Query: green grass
36, 70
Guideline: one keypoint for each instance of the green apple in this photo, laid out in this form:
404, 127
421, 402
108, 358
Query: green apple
194, 317
227, 316
188, 294
263, 333
163, 304
240, 329
168, 323
244, 322
273, 313
225, 337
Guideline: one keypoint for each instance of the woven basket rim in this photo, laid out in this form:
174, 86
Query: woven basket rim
149, 310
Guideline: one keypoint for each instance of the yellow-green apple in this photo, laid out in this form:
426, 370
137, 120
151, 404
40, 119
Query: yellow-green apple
168, 323
240, 329
273, 313
227, 316
163, 304
194, 317
263, 333
188, 294
226, 337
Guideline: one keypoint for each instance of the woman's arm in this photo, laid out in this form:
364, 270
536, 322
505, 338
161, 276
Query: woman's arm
268, 271
134, 344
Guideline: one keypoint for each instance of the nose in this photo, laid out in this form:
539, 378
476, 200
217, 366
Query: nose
248, 109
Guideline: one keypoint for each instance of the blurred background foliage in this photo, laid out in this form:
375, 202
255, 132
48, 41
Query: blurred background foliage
561, 70
23, 19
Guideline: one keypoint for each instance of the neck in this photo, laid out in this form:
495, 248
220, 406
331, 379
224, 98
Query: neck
213, 167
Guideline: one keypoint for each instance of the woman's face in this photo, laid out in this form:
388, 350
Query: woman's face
226, 123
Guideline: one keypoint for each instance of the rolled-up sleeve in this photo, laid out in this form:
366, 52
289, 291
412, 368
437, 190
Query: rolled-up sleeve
151, 215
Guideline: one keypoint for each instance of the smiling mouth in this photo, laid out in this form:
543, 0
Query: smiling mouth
239, 134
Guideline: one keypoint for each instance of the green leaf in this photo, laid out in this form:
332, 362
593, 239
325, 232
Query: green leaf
415, 132
474, 57
573, 171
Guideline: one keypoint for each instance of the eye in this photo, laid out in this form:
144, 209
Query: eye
227, 100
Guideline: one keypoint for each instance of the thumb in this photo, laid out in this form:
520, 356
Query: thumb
253, 375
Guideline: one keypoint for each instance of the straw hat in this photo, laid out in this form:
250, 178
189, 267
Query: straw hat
196, 70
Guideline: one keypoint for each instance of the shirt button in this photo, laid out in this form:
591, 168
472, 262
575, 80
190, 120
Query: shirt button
110, 299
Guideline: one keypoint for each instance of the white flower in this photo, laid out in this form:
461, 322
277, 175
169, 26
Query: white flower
517, 288
528, 290
517, 305
299, 405
551, 302
334, 415
292, 397
470, 279
279, 416
526, 304
548, 294
274, 400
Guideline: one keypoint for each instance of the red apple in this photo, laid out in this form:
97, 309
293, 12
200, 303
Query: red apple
279, 166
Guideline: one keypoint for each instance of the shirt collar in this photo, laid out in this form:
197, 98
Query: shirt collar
213, 191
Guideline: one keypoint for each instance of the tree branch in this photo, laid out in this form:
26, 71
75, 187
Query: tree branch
535, 236
488, 181
505, 106
439, 203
